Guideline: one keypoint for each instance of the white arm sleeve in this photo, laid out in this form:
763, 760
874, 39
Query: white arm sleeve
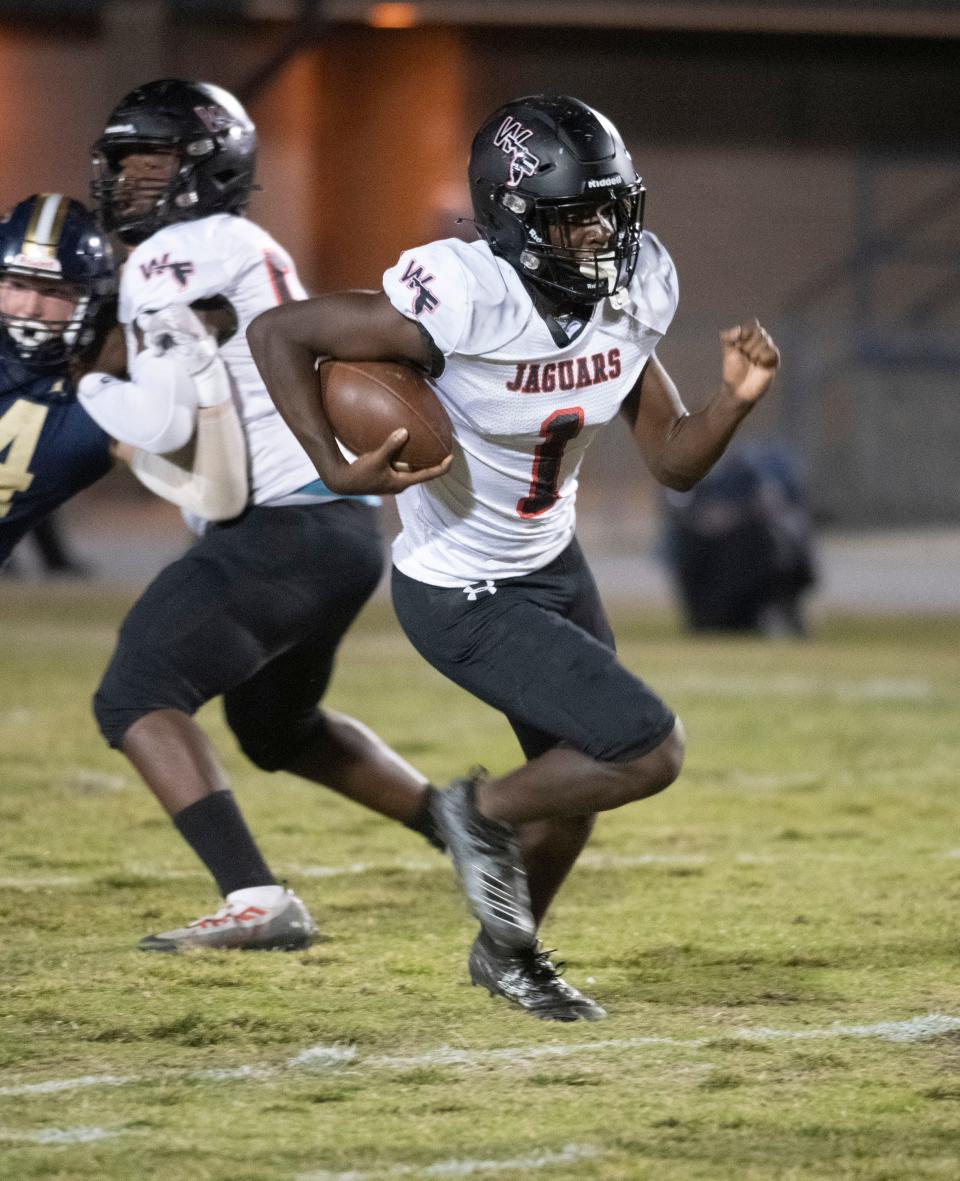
156, 411
212, 482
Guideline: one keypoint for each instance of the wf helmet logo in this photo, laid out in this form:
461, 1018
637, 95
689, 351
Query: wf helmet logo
214, 118
510, 137
181, 271
413, 277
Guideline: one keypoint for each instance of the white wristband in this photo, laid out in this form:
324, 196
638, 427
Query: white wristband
212, 384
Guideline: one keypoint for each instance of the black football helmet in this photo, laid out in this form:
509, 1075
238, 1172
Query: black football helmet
212, 137
49, 236
539, 166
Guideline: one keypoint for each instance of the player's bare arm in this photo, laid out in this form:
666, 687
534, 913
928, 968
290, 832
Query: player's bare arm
286, 343
680, 447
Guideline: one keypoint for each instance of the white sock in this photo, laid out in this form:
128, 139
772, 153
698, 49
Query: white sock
264, 896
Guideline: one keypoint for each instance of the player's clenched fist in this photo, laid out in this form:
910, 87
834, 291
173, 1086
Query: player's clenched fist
750, 360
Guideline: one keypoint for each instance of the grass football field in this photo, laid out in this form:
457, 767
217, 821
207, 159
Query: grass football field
775, 938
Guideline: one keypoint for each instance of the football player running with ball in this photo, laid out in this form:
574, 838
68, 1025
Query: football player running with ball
535, 336
256, 609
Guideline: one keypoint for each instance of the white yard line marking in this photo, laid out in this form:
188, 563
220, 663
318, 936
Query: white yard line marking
324, 1058
60, 1135
461, 1168
913, 1030
61, 880
55, 1085
15, 717
916, 1029
450, 1056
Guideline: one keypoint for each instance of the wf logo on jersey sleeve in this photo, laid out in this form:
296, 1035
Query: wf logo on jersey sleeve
423, 299
510, 138
181, 271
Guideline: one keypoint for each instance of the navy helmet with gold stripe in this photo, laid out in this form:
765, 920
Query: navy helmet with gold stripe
51, 244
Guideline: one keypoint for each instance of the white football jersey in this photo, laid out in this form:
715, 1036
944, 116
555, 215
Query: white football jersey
523, 409
229, 256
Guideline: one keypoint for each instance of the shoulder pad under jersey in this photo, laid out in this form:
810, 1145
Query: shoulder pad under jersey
654, 290
184, 262
470, 301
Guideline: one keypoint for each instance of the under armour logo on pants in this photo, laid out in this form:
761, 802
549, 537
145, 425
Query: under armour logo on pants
478, 588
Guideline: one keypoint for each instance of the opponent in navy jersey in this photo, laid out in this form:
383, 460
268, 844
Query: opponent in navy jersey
57, 318
256, 609
536, 336
56, 280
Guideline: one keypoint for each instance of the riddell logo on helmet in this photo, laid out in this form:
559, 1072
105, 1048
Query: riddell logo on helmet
33, 262
604, 182
510, 137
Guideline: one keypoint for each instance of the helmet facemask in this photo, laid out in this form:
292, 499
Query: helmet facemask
585, 274
210, 143
43, 343
135, 207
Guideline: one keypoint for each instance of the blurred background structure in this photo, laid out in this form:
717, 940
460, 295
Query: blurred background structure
802, 162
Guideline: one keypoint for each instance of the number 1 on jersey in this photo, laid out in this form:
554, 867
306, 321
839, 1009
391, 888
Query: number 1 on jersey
557, 430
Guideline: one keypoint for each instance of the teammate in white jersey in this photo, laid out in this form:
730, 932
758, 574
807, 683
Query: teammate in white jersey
255, 610
536, 336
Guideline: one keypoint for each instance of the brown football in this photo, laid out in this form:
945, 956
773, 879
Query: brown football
366, 400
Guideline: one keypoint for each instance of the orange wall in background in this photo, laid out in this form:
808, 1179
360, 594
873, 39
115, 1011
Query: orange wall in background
363, 138
53, 99
286, 164
389, 147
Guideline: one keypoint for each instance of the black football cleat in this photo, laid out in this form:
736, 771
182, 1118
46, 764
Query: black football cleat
528, 979
487, 859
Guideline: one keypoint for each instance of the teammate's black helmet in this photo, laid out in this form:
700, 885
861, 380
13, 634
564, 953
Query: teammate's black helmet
49, 236
537, 166
215, 143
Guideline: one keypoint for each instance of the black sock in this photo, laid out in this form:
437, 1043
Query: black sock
217, 832
423, 821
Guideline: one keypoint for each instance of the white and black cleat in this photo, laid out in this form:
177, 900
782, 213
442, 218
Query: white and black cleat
531, 981
283, 925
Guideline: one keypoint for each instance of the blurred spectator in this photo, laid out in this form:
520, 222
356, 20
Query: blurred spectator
739, 545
